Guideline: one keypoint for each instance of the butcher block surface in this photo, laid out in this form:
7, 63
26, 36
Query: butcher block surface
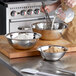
11, 52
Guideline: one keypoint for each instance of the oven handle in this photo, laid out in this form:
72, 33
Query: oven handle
30, 19
26, 19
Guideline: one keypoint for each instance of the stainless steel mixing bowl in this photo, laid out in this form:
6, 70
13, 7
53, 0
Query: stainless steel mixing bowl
52, 56
22, 40
48, 34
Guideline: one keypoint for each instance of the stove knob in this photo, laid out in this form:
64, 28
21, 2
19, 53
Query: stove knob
23, 12
30, 12
13, 13
36, 11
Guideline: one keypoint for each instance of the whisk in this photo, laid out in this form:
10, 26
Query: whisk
48, 20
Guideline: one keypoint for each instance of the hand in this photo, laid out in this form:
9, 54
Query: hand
52, 7
70, 3
47, 8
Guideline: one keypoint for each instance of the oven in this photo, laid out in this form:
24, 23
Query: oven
17, 15
24, 15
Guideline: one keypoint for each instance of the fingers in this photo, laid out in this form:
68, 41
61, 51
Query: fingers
47, 8
70, 3
42, 10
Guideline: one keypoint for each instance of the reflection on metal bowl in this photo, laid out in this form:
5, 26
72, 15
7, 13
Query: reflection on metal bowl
22, 40
56, 33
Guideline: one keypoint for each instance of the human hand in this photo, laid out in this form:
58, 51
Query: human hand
70, 3
51, 7
47, 8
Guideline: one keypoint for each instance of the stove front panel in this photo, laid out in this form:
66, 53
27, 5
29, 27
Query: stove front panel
24, 10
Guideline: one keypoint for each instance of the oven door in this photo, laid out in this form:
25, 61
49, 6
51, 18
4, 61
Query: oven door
23, 24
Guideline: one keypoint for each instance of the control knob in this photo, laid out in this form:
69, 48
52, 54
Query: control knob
36, 11
30, 12
13, 13
23, 12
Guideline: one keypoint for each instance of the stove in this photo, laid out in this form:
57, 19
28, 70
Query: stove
18, 14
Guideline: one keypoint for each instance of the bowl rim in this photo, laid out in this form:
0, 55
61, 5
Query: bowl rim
6, 35
66, 49
47, 29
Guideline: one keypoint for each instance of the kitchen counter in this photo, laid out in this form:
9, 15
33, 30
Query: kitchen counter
68, 62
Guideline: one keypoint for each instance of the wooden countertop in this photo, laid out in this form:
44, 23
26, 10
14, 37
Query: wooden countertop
11, 52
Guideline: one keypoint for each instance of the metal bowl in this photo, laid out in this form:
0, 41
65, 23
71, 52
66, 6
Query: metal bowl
22, 40
48, 34
51, 56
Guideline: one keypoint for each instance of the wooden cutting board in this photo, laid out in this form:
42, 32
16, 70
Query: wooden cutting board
10, 52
